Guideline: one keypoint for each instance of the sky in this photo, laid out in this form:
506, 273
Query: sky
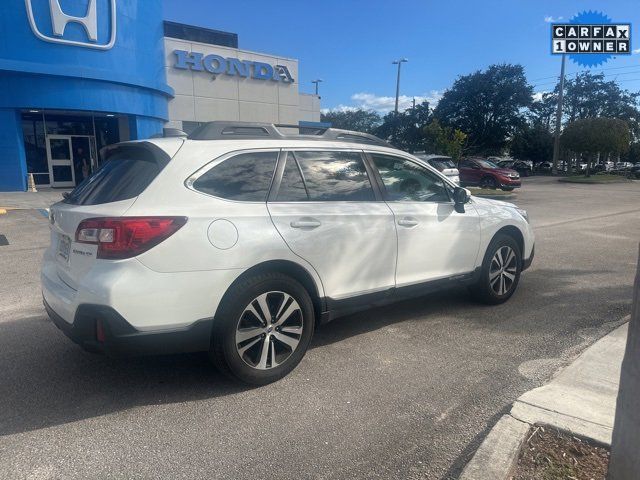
350, 44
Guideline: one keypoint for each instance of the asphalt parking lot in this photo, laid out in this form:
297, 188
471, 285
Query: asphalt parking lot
404, 391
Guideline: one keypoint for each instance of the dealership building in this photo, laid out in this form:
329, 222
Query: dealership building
76, 75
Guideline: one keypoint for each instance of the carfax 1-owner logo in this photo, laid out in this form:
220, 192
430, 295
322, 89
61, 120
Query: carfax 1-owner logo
591, 38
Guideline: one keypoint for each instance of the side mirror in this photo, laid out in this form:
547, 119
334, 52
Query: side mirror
460, 197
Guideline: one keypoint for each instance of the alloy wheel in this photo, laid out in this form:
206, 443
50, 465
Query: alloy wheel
269, 330
503, 270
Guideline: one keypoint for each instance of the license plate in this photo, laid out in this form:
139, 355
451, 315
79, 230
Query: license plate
64, 247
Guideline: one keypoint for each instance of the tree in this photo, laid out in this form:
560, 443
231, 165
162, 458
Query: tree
532, 142
625, 461
365, 121
589, 96
633, 154
444, 141
487, 105
404, 129
543, 110
596, 135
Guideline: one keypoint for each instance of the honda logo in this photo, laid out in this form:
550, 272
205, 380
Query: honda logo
60, 20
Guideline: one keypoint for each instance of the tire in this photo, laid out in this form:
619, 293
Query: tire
507, 189
488, 182
486, 290
240, 315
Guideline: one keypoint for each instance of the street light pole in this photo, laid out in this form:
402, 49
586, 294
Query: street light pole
556, 140
399, 63
317, 81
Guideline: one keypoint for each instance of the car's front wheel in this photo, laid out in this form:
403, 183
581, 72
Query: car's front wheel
262, 329
488, 182
500, 271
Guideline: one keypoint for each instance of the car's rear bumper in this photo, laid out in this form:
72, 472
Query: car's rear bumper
119, 338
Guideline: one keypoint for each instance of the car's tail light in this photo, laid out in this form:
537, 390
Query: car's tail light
126, 237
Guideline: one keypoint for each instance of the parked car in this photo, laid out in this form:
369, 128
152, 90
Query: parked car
522, 167
240, 239
634, 172
623, 165
486, 174
444, 165
545, 167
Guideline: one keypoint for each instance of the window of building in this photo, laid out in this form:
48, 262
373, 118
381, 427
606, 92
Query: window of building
335, 176
409, 182
35, 148
245, 177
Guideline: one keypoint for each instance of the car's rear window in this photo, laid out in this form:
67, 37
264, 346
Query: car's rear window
125, 174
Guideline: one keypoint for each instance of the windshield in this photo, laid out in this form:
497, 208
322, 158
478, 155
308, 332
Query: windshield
487, 164
442, 163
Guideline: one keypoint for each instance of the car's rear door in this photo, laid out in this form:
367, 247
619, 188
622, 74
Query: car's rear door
324, 205
434, 240
108, 192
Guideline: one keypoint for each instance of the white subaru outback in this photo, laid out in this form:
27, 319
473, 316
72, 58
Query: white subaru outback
242, 238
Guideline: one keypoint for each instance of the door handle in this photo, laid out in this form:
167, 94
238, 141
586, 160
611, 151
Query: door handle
408, 222
308, 223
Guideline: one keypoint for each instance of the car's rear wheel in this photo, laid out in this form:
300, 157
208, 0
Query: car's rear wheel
488, 182
263, 329
500, 272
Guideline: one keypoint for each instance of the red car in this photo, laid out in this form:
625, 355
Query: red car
486, 174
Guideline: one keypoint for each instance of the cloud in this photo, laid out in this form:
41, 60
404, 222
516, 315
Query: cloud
551, 19
382, 104
637, 50
538, 95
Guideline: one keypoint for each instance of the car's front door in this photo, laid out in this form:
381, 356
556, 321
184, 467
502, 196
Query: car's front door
470, 172
434, 240
324, 205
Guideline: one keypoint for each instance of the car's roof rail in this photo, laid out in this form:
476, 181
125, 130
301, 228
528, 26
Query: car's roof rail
221, 130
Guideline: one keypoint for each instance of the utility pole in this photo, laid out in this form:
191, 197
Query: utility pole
317, 81
399, 63
556, 140
624, 463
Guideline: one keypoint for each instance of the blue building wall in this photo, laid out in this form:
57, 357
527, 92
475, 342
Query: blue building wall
13, 168
128, 78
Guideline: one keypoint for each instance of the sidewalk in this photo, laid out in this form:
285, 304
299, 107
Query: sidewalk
580, 400
40, 199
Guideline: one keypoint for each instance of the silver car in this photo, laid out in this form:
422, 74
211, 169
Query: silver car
443, 164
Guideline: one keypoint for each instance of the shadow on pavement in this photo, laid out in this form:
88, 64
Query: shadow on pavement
46, 380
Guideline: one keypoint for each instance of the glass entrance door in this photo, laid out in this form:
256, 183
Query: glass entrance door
72, 158
60, 157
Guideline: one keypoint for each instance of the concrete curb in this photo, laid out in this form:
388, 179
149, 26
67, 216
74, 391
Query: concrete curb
580, 400
498, 453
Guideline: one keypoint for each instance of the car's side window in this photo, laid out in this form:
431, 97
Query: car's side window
245, 177
466, 164
405, 181
328, 176
292, 187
